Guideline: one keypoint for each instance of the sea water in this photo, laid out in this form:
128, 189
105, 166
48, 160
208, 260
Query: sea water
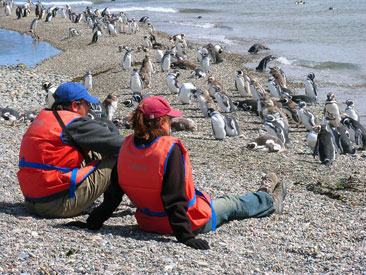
326, 37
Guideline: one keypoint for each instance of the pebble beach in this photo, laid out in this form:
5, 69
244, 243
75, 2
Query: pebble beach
322, 229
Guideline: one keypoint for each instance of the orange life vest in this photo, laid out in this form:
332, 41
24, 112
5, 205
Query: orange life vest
140, 175
47, 164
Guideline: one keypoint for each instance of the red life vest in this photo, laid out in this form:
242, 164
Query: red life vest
140, 175
47, 164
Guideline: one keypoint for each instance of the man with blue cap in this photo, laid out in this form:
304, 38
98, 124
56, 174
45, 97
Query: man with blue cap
67, 159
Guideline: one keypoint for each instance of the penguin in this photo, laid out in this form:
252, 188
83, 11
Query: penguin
247, 105
50, 90
205, 63
257, 90
306, 118
166, 61
290, 108
49, 17
213, 83
331, 108
279, 75
342, 139
110, 105
9, 114
257, 47
159, 52
88, 81
111, 30
97, 111
223, 100
217, 124
183, 64
127, 59
358, 130
33, 25
145, 71
274, 128
242, 84
266, 143
274, 88
172, 82
147, 42
73, 32
185, 92
312, 137
198, 73
204, 100
231, 126
297, 98
325, 147
183, 124
7, 9
311, 89
263, 63
351, 111
136, 84
200, 51
95, 37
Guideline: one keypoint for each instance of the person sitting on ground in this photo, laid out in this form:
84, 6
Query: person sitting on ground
154, 171
67, 159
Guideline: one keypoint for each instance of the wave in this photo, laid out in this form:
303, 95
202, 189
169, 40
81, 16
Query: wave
195, 11
284, 60
62, 3
152, 9
193, 24
328, 65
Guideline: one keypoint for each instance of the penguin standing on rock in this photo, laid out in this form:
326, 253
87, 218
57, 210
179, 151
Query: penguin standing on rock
311, 89
359, 131
312, 137
217, 123
205, 63
351, 111
204, 100
242, 84
88, 81
325, 146
331, 108
306, 117
231, 126
275, 128
110, 105
213, 84
185, 92
166, 61
136, 84
50, 90
223, 100
172, 82
127, 59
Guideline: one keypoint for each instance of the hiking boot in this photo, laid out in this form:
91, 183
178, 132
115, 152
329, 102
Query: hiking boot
268, 183
278, 195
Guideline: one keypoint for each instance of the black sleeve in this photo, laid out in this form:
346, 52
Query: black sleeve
92, 134
173, 196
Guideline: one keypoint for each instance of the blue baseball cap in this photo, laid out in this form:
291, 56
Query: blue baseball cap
71, 91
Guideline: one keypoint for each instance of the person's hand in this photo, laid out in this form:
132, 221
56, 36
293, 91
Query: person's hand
197, 244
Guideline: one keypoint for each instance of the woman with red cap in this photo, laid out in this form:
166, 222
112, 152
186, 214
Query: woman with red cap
154, 171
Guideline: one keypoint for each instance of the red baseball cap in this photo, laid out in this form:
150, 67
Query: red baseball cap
157, 106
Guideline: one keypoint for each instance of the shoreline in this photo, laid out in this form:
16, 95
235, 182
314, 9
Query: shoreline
322, 228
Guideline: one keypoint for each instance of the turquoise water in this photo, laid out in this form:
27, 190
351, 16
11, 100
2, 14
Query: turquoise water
21, 48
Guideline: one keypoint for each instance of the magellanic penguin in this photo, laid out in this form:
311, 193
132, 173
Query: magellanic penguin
172, 82
325, 146
266, 143
110, 105
213, 84
231, 126
73, 32
311, 89
185, 92
342, 139
257, 90
358, 130
331, 108
50, 90
146, 71
95, 37
88, 81
257, 47
33, 25
205, 63
204, 100
111, 30
306, 118
274, 128
351, 111
147, 42
279, 76
197, 73
263, 63
136, 84
166, 61
248, 105
9, 114
224, 100
274, 88
312, 137
290, 108
217, 123
127, 59
242, 84
183, 124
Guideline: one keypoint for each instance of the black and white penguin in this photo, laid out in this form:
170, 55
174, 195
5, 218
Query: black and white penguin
111, 30
325, 146
242, 84
223, 100
257, 90
127, 59
231, 126
146, 70
247, 105
274, 88
166, 61
50, 90
331, 108
73, 32
198, 73
213, 85
358, 129
136, 84
263, 63
95, 37
306, 118
274, 128
290, 108
204, 100
33, 25
185, 92
172, 82
312, 137
205, 63
257, 47
9, 114
297, 98
110, 105
217, 123
88, 81
351, 111
266, 143
311, 89
342, 139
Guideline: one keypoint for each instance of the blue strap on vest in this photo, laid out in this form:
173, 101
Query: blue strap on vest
73, 183
213, 215
35, 165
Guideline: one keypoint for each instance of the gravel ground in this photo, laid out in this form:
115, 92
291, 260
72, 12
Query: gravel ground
322, 229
